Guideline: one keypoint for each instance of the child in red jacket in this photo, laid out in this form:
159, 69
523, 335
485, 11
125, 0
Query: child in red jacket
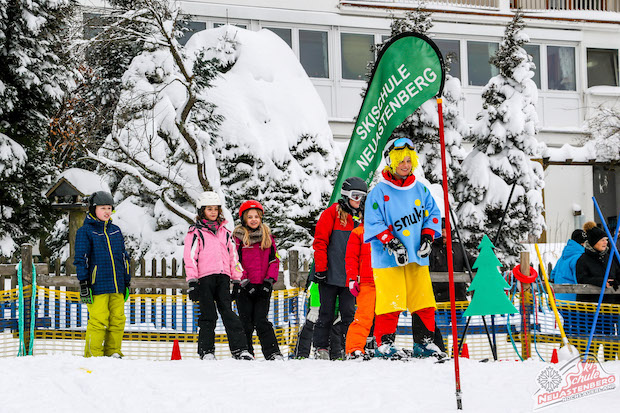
362, 285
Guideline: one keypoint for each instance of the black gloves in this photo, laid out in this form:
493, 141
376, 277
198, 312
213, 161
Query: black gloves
86, 293
425, 246
267, 286
320, 276
249, 288
235, 290
193, 292
396, 248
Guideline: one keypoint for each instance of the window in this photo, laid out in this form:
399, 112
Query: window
451, 52
355, 54
561, 68
534, 51
284, 34
189, 28
313, 53
478, 67
602, 67
241, 26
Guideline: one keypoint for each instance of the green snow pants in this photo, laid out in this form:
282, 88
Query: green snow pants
106, 325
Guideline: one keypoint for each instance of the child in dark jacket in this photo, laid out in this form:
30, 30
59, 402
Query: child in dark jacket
211, 263
102, 267
330, 242
258, 256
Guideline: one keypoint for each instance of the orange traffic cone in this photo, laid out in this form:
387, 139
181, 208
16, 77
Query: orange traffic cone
554, 356
465, 351
176, 351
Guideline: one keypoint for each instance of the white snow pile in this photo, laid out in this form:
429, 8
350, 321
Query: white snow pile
270, 109
12, 156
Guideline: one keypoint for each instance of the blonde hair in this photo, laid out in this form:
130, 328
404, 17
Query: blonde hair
342, 215
398, 155
265, 231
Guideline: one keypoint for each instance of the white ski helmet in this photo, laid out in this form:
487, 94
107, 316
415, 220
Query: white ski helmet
208, 198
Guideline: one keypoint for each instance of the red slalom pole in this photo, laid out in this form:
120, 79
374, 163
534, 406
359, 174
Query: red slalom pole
455, 337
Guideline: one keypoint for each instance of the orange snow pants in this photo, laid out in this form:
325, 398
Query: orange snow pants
362, 323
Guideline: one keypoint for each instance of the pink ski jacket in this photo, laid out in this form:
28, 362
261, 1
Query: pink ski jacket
207, 253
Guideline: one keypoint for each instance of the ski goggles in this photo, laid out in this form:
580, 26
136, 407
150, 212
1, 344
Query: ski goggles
354, 195
402, 143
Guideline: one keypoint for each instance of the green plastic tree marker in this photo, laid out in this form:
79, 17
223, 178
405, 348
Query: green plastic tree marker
489, 285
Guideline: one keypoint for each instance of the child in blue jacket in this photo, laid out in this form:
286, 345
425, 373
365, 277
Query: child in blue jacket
102, 267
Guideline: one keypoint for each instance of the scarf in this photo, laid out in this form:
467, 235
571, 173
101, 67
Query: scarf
256, 235
212, 226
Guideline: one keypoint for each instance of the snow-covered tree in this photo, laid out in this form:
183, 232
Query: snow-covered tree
504, 138
422, 126
32, 78
604, 133
215, 114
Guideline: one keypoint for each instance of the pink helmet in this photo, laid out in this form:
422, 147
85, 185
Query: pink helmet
251, 204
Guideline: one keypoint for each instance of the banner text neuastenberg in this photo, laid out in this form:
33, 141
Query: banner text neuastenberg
409, 71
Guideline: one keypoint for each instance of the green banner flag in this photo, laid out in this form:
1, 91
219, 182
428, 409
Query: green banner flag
408, 72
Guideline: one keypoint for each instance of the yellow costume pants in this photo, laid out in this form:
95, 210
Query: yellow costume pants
403, 288
106, 325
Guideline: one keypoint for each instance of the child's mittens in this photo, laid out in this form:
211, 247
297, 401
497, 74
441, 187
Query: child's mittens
425, 246
354, 287
268, 286
193, 291
86, 293
236, 287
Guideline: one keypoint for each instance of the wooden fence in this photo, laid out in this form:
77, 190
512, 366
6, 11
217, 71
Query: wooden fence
158, 275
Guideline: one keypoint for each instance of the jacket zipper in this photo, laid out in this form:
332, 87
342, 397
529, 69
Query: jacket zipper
105, 226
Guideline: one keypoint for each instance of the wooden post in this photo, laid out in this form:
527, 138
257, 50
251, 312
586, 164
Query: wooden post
293, 267
76, 219
524, 265
26, 255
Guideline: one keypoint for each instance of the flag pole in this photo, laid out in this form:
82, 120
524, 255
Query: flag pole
455, 337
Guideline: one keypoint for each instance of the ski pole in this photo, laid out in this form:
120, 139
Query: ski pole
614, 250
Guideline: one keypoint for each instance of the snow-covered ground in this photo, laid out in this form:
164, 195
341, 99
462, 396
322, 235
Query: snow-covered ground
62, 383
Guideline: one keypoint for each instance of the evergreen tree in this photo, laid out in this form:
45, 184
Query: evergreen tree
504, 138
604, 133
32, 78
489, 285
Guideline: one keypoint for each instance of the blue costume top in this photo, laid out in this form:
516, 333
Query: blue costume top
564, 270
405, 211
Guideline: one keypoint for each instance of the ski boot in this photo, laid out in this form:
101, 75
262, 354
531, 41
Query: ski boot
276, 357
387, 350
208, 356
428, 349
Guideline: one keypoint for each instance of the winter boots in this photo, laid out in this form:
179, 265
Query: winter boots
208, 356
387, 350
321, 354
242, 355
276, 357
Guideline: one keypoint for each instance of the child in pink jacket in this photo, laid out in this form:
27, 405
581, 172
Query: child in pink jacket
211, 263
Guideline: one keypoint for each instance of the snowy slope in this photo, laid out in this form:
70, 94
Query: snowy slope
73, 384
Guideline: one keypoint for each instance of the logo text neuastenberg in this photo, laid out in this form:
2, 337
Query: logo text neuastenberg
573, 381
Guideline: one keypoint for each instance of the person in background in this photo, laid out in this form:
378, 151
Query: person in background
210, 258
590, 269
259, 258
330, 241
401, 220
102, 267
564, 271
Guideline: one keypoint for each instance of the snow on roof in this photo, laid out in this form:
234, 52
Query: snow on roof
84, 181
584, 153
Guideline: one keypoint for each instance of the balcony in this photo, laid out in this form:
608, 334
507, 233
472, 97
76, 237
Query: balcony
528, 5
